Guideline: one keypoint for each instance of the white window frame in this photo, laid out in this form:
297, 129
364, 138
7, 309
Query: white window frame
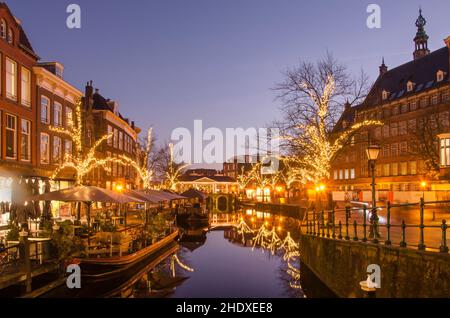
11, 79
47, 107
25, 87
41, 159
57, 151
57, 114
14, 130
25, 134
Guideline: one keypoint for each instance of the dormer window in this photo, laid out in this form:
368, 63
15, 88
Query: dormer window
10, 36
440, 76
3, 29
409, 86
384, 95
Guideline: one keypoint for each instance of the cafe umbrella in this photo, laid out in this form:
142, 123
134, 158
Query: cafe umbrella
87, 195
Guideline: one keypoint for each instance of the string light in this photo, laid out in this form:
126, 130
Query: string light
318, 149
242, 229
174, 259
173, 171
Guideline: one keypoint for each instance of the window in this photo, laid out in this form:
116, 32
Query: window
424, 102
45, 148
385, 95
120, 140
409, 86
3, 29
110, 133
413, 106
444, 119
352, 173
445, 97
413, 167
57, 147
335, 174
11, 136
341, 174
435, 99
116, 138
412, 125
386, 131
394, 150
57, 114
386, 151
11, 79
440, 76
445, 152
394, 129
10, 36
402, 128
26, 87
404, 108
68, 148
403, 148
45, 110
109, 170
25, 140
395, 110
403, 168
386, 170
346, 174
69, 117
394, 168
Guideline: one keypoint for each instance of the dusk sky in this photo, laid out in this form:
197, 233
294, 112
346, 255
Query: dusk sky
170, 62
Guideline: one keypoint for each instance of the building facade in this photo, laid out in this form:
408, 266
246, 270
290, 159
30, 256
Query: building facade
413, 103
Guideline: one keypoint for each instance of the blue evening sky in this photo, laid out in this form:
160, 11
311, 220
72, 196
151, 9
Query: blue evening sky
168, 62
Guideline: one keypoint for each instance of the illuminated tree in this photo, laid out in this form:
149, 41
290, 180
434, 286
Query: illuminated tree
81, 160
316, 147
171, 171
243, 179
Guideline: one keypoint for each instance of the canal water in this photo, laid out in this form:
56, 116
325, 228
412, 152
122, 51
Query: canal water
215, 263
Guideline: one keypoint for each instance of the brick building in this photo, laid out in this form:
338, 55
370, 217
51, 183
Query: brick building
413, 102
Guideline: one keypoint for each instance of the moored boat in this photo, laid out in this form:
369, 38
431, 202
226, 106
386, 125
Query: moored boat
107, 267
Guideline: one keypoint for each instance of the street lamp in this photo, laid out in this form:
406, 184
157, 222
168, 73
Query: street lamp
372, 154
423, 185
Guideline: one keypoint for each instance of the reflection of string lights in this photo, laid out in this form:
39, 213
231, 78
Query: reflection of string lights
269, 240
174, 260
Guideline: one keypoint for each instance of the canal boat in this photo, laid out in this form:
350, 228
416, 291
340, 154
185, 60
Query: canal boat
108, 267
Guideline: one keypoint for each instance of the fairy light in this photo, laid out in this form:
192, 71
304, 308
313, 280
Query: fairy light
81, 161
318, 148
173, 171
175, 260
242, 229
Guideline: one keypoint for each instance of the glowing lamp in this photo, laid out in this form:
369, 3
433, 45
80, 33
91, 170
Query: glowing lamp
372, 152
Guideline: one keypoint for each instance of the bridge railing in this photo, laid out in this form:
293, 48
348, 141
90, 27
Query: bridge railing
412, 225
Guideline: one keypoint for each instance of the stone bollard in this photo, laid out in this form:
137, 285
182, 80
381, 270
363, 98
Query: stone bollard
25, 262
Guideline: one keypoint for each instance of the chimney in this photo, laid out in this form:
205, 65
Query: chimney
97, 91
447, 42
89, 89
132, 124
347, 106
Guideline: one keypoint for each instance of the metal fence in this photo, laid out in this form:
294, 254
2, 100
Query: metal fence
411, 225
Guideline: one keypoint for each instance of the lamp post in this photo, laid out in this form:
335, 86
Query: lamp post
372, 154
423, 185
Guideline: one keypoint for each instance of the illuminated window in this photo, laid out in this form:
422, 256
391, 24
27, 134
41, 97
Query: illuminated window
116, 138
57, 149
68, 150
352, 173
25, 140
409, 86
445, 152
45, 148
403, 168
440, 76
120, 140
110, 133
26, 87
413, 167
394, 168
386, 170
11, 136
69, 117
11, 79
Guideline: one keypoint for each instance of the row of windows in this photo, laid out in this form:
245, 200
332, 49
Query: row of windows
120, 140
344, 174
15, 131
12, 84
395, 149
397, 169
57, 113
56, 149
408, 107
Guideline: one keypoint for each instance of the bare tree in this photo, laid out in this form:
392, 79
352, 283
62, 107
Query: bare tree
306, 79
